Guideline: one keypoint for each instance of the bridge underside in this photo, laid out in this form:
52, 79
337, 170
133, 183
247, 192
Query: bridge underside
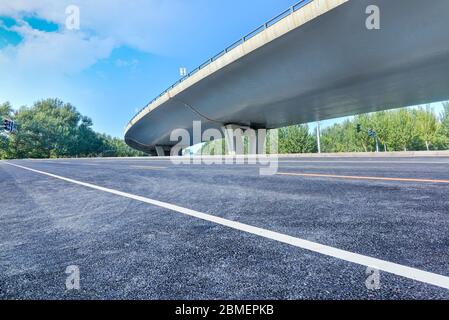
330, 67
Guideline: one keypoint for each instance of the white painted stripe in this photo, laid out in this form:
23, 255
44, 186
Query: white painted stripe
390, 267
59, 162
362, 161
149, 167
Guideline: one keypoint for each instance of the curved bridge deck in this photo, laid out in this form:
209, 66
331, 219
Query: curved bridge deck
315, 63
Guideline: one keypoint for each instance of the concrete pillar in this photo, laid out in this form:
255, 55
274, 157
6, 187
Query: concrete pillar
160, 151
234, 135
256, 141
252, 141
229, 138
261, 138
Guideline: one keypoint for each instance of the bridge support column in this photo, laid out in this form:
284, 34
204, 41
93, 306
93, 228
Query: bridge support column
229, 131
234, 138
252, 142
258, 147
160, 151
256, 141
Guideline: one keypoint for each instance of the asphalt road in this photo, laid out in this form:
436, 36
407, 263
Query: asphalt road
393, 209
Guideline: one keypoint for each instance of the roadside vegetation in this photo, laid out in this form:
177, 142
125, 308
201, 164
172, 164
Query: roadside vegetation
405, 129
54, 129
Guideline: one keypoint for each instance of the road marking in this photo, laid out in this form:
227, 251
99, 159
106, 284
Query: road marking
390, 267
148, 167
364, 161
72, 163
317, 175
280, 160
59, 162
360, 160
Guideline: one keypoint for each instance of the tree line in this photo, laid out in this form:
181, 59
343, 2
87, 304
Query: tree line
51, 128
405, 129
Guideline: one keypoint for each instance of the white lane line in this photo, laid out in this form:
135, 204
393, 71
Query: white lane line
149, 167
284, 161
363, 161
59, 162
390, 267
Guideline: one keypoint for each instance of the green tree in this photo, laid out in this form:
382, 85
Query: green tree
48, 129
382, 126
296, 139
343, 137
363, 140
52, 128
403, 131
6, 112
427, 125
442, 135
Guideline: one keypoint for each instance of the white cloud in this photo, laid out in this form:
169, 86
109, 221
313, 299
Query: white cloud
126, 63
58, 52
46, 9
145, 25
136, 23
51, 64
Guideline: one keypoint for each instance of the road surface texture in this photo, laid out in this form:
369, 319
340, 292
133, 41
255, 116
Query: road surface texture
127, 225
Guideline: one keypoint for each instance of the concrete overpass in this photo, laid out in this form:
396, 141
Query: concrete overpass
315, 61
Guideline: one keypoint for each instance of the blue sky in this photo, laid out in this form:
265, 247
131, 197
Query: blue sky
124, 54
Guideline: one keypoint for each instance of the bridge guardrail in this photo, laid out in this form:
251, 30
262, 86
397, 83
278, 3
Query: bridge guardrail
266, 25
